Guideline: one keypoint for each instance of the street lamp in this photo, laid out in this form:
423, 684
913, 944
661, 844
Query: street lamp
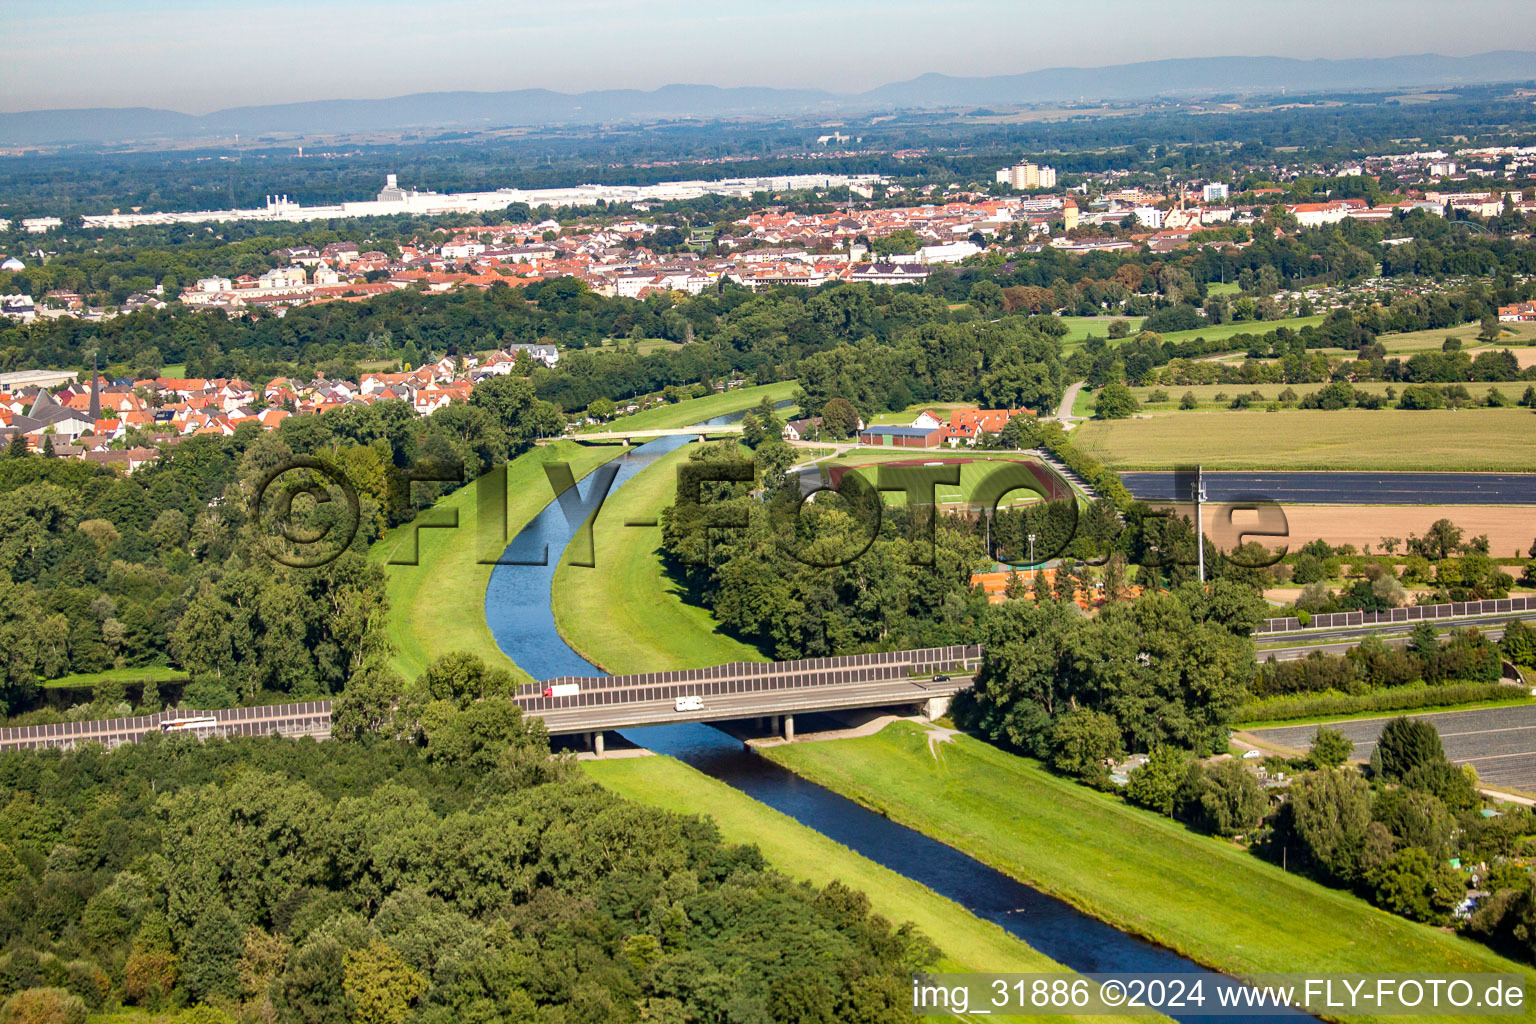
1032, 565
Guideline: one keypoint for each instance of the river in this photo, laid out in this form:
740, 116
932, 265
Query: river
518, 609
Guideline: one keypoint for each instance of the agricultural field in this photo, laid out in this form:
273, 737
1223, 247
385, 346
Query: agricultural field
1198, 895
439, 605
1216, 332
1510, 528
1207, 395
626, 615
1365, 439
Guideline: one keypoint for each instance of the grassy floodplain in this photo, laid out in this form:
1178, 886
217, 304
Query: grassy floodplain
1493, 440
625, 615
968, 943
1204, 897
439, 605
696, 410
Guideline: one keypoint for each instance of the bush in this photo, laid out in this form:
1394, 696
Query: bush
1189, 401
43, 1006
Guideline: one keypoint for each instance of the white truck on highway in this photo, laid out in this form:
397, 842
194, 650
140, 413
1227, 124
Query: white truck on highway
562, 690
694, 703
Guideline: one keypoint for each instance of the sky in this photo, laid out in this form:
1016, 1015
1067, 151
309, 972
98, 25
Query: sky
197, 57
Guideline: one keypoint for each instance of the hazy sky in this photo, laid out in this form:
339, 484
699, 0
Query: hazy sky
201, 56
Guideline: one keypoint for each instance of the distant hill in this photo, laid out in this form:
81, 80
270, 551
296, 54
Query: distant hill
471, 110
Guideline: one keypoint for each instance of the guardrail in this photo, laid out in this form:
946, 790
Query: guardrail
1417, 613
748, 677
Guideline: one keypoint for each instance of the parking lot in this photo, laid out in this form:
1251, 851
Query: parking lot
1499, 742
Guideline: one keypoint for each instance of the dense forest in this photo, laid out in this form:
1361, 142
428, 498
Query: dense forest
465, 876
100, 570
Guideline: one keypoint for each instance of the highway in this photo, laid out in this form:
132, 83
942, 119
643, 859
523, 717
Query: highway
1350, 488
1499, 742
653, 433
758, 704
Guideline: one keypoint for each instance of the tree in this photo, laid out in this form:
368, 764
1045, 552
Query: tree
838, 418
1417, 887
1519, 643
1329, 813
1119, 328
1405, 744
1116, 402
601, 409
211, 954
18, 447
1488, 328
1155, 784
1082, 741
461, 678
1225, 799
381, 985
367, 705
1330, 748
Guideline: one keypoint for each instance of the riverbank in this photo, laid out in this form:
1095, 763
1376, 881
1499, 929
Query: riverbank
438, 606
1142, 873
625, 615
969, 944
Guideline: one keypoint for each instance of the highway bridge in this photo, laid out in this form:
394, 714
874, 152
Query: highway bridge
775, 691
927, 677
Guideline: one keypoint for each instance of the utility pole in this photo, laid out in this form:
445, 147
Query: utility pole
1032, 565
1200, 521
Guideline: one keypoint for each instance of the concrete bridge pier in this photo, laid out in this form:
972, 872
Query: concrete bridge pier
936, 708
597, 743
789, 728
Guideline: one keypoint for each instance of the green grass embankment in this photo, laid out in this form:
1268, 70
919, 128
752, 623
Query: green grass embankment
1201, 896
968, 943
438, 606
624, 614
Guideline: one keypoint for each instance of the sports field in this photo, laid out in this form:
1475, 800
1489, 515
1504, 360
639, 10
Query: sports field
1369, 439
438, 606
1203, 897
625, 615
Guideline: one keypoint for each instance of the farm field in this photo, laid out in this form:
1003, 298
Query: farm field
1510, 528
696, 410
1206, 395
1201, 896
1364, 439
625, 615
439, 605
967, 942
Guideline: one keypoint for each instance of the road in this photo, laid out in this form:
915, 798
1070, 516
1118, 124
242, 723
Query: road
1350, 488
312, 718
1064, 410
1290, 646
1499, 742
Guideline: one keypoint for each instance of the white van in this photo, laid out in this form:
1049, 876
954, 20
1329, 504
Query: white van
694, 703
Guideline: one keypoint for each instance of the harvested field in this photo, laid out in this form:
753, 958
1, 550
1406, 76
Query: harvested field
1510, 528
